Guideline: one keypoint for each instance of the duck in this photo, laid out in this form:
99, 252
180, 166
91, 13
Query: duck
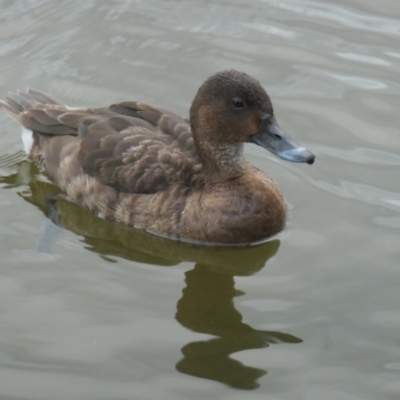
145, 166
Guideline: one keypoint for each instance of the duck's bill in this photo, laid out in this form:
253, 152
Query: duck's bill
274, 139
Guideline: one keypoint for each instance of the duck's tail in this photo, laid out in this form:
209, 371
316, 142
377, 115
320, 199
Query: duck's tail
38, 112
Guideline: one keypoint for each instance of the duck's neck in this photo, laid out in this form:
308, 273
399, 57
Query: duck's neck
221, 162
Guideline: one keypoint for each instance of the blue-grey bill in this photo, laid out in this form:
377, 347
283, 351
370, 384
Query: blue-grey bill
273, 138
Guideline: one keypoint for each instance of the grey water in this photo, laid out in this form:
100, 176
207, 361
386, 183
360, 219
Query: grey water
90, 309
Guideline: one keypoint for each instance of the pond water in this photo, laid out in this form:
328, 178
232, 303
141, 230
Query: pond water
90, 309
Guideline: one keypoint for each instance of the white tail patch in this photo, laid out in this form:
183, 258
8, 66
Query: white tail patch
27, 139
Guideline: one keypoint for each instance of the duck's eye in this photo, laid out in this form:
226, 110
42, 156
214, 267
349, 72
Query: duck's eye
237, 103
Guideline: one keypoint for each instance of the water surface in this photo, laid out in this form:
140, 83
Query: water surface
91, 309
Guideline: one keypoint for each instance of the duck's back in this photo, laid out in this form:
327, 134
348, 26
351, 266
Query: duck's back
133, 147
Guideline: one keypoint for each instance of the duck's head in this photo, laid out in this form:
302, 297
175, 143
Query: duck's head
232, 107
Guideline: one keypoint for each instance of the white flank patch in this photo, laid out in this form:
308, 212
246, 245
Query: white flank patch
27, 139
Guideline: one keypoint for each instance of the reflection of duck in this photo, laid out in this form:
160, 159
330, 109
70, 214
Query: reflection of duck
142, 166
206, 305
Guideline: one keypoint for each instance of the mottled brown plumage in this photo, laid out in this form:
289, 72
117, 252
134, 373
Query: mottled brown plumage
147, 167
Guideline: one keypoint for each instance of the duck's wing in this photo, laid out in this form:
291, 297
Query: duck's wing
134, 147
140, 149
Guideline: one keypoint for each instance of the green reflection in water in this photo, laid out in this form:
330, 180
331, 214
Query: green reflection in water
206, 305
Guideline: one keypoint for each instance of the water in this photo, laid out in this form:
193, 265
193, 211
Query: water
95, 310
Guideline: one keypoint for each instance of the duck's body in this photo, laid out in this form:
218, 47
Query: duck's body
141, 165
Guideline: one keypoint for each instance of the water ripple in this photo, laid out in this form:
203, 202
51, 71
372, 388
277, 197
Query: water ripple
365, 193
364, 59
362, 155
339, 16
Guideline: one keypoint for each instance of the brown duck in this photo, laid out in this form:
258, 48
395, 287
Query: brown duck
147, 167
